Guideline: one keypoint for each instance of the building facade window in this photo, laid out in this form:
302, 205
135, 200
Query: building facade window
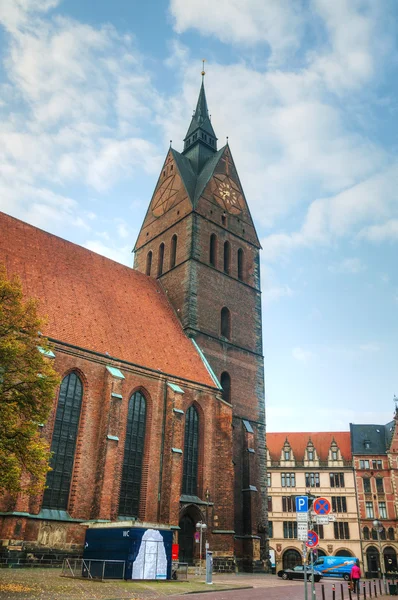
269, 479
225, 381
226, 323
130, 488
289, 529
382, 510
334, 455
364, 464
288, 479
213, 250
310, 454
391, 533
379, 485
341, 530
366, 485
269, 503
339, 504
240, 264
63, 444
369, 510
227, 257
160, 259
337, 480
312, 480
191, 452
173, 251
319, 530
148, 263
377, 464
288, 504
365, 533
287, 454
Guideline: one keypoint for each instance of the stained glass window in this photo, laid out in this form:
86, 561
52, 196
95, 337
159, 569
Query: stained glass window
63, 443
191, 451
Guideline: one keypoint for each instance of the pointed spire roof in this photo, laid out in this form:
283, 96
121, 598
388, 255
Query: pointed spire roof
200, 118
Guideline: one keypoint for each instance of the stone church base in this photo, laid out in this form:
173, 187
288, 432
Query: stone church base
247, 550
224, 564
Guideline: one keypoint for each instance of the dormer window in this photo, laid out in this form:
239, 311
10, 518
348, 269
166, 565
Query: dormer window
334, 455
287, 454
310, 454
367, 444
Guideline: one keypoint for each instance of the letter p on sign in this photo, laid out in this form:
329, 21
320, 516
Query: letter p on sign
301, 504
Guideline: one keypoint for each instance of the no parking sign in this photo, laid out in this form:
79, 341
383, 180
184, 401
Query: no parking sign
313, 539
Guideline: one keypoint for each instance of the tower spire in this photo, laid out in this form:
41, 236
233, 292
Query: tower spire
200, 141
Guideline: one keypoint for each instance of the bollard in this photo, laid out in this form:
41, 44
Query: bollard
334, 592
341, 591
349, 590
380, 587
370, 589
323, 591
364, 590
375, 588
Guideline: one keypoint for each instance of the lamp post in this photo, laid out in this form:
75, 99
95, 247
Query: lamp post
377, 525
200, 526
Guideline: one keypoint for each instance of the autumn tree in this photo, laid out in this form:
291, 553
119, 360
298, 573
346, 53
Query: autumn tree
27, 387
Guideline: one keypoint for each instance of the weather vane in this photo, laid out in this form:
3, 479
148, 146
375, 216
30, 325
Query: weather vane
203, 67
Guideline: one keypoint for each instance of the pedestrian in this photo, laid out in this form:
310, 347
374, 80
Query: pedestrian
355, 576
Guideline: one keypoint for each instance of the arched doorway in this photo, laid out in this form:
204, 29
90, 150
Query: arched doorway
343, 553
373, 561
291, 558
321, 552
390, 559
186, 539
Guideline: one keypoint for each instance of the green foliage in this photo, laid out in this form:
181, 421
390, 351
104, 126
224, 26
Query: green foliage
27, 388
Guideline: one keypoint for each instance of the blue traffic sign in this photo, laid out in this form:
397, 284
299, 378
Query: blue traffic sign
301, 504
321, 506
313, 539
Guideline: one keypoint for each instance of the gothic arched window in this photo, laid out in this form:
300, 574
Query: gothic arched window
130, 488
191, 452
213, 250
160, 259
63, 443
227, 257
391, 533
173, 251
226, 386
148, 263
225, 323
240, 264
365, 532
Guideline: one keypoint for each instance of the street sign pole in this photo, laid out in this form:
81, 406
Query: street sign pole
312, 576
305, 571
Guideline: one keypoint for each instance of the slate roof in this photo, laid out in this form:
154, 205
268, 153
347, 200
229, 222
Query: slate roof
98, 304
299, 440
378, 436
201, 116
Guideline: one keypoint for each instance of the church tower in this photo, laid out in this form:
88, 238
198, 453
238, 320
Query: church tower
198, 238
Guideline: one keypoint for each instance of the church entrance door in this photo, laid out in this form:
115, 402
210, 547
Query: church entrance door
186, 539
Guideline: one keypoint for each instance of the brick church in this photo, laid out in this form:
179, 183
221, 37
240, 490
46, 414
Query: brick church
160, 415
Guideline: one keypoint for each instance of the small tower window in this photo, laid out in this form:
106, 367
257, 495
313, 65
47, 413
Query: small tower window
148, 263
225, 323
240, 264
160, 259
173, 251
213, 250
225, 381
227, 257
224, 219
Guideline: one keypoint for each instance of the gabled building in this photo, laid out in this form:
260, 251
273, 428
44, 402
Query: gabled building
160, 415
319, 464
375, 456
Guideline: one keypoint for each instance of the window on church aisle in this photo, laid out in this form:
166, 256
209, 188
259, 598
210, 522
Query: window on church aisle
225, 323
133, 456
63, 443
148, 263
240, 264
191, 452
160, 259
227, 257
226, 386
173, 251
213, 250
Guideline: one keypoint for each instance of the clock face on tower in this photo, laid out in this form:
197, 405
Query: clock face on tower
227, 194
165, 196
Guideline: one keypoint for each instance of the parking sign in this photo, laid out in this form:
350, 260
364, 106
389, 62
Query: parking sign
301, 504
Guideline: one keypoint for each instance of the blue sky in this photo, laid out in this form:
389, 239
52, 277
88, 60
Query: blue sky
92, 92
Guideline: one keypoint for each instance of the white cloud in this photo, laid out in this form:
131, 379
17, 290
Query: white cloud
387, 231
272, 289
76, 100
348, 265
119, 254
302, 355
369, 347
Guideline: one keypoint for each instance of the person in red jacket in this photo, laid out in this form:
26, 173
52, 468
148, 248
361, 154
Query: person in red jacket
355, 576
